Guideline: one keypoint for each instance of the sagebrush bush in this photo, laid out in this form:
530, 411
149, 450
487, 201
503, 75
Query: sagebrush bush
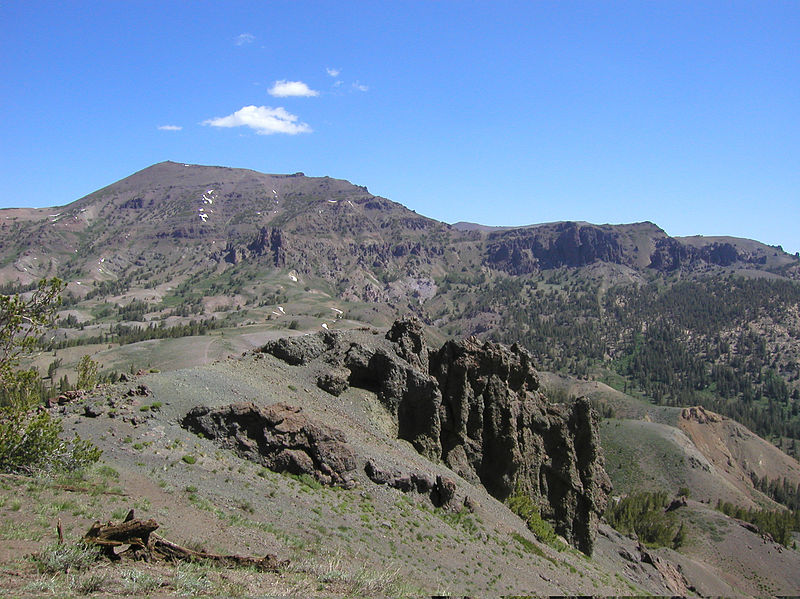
65, 557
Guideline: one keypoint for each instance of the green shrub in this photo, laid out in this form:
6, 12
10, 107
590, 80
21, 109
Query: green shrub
30, 442
87, 373
524, 507
138, 582
189, 459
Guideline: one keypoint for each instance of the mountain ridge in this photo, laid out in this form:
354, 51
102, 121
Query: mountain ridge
224, 205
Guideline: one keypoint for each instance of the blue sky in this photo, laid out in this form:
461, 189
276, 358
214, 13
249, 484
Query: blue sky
686, 114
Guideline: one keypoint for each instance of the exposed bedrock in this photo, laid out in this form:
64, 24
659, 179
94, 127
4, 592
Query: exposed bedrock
279, 436
477, 408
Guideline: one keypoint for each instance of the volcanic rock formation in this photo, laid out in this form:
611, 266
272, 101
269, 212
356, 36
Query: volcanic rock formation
280, 436
478, 409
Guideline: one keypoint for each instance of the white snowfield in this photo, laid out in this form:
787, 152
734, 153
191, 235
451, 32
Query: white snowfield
208, 199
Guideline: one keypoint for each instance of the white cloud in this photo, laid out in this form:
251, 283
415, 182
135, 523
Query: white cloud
264, 120
285, 89
333, 72
244, 38
360, 87
170, 128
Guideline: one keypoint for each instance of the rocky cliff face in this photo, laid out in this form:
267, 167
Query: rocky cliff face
522, 251
670, 254
478, 409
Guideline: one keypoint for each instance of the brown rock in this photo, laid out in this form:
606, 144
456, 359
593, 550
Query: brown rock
281, 437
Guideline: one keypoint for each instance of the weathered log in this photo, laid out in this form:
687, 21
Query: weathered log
130, 532
144, 544
135, 533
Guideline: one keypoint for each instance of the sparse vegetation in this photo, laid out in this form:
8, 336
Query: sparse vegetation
665, 338
64, 557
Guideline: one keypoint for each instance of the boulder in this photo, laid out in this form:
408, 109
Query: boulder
281, 437
333, 382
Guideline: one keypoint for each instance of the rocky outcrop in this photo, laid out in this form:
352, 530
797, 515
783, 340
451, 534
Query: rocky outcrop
302, 349
270, 242
477, 408
670, 254
279, 436
526, 250
496, 428
700, 415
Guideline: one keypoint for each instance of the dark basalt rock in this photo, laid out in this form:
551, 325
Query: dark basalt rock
441, 490
477, 408
270, 242
279, 436
302, 349
670, 254
333, 383
522, 251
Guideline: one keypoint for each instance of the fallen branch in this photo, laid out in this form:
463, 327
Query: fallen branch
169, 550
143, 543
